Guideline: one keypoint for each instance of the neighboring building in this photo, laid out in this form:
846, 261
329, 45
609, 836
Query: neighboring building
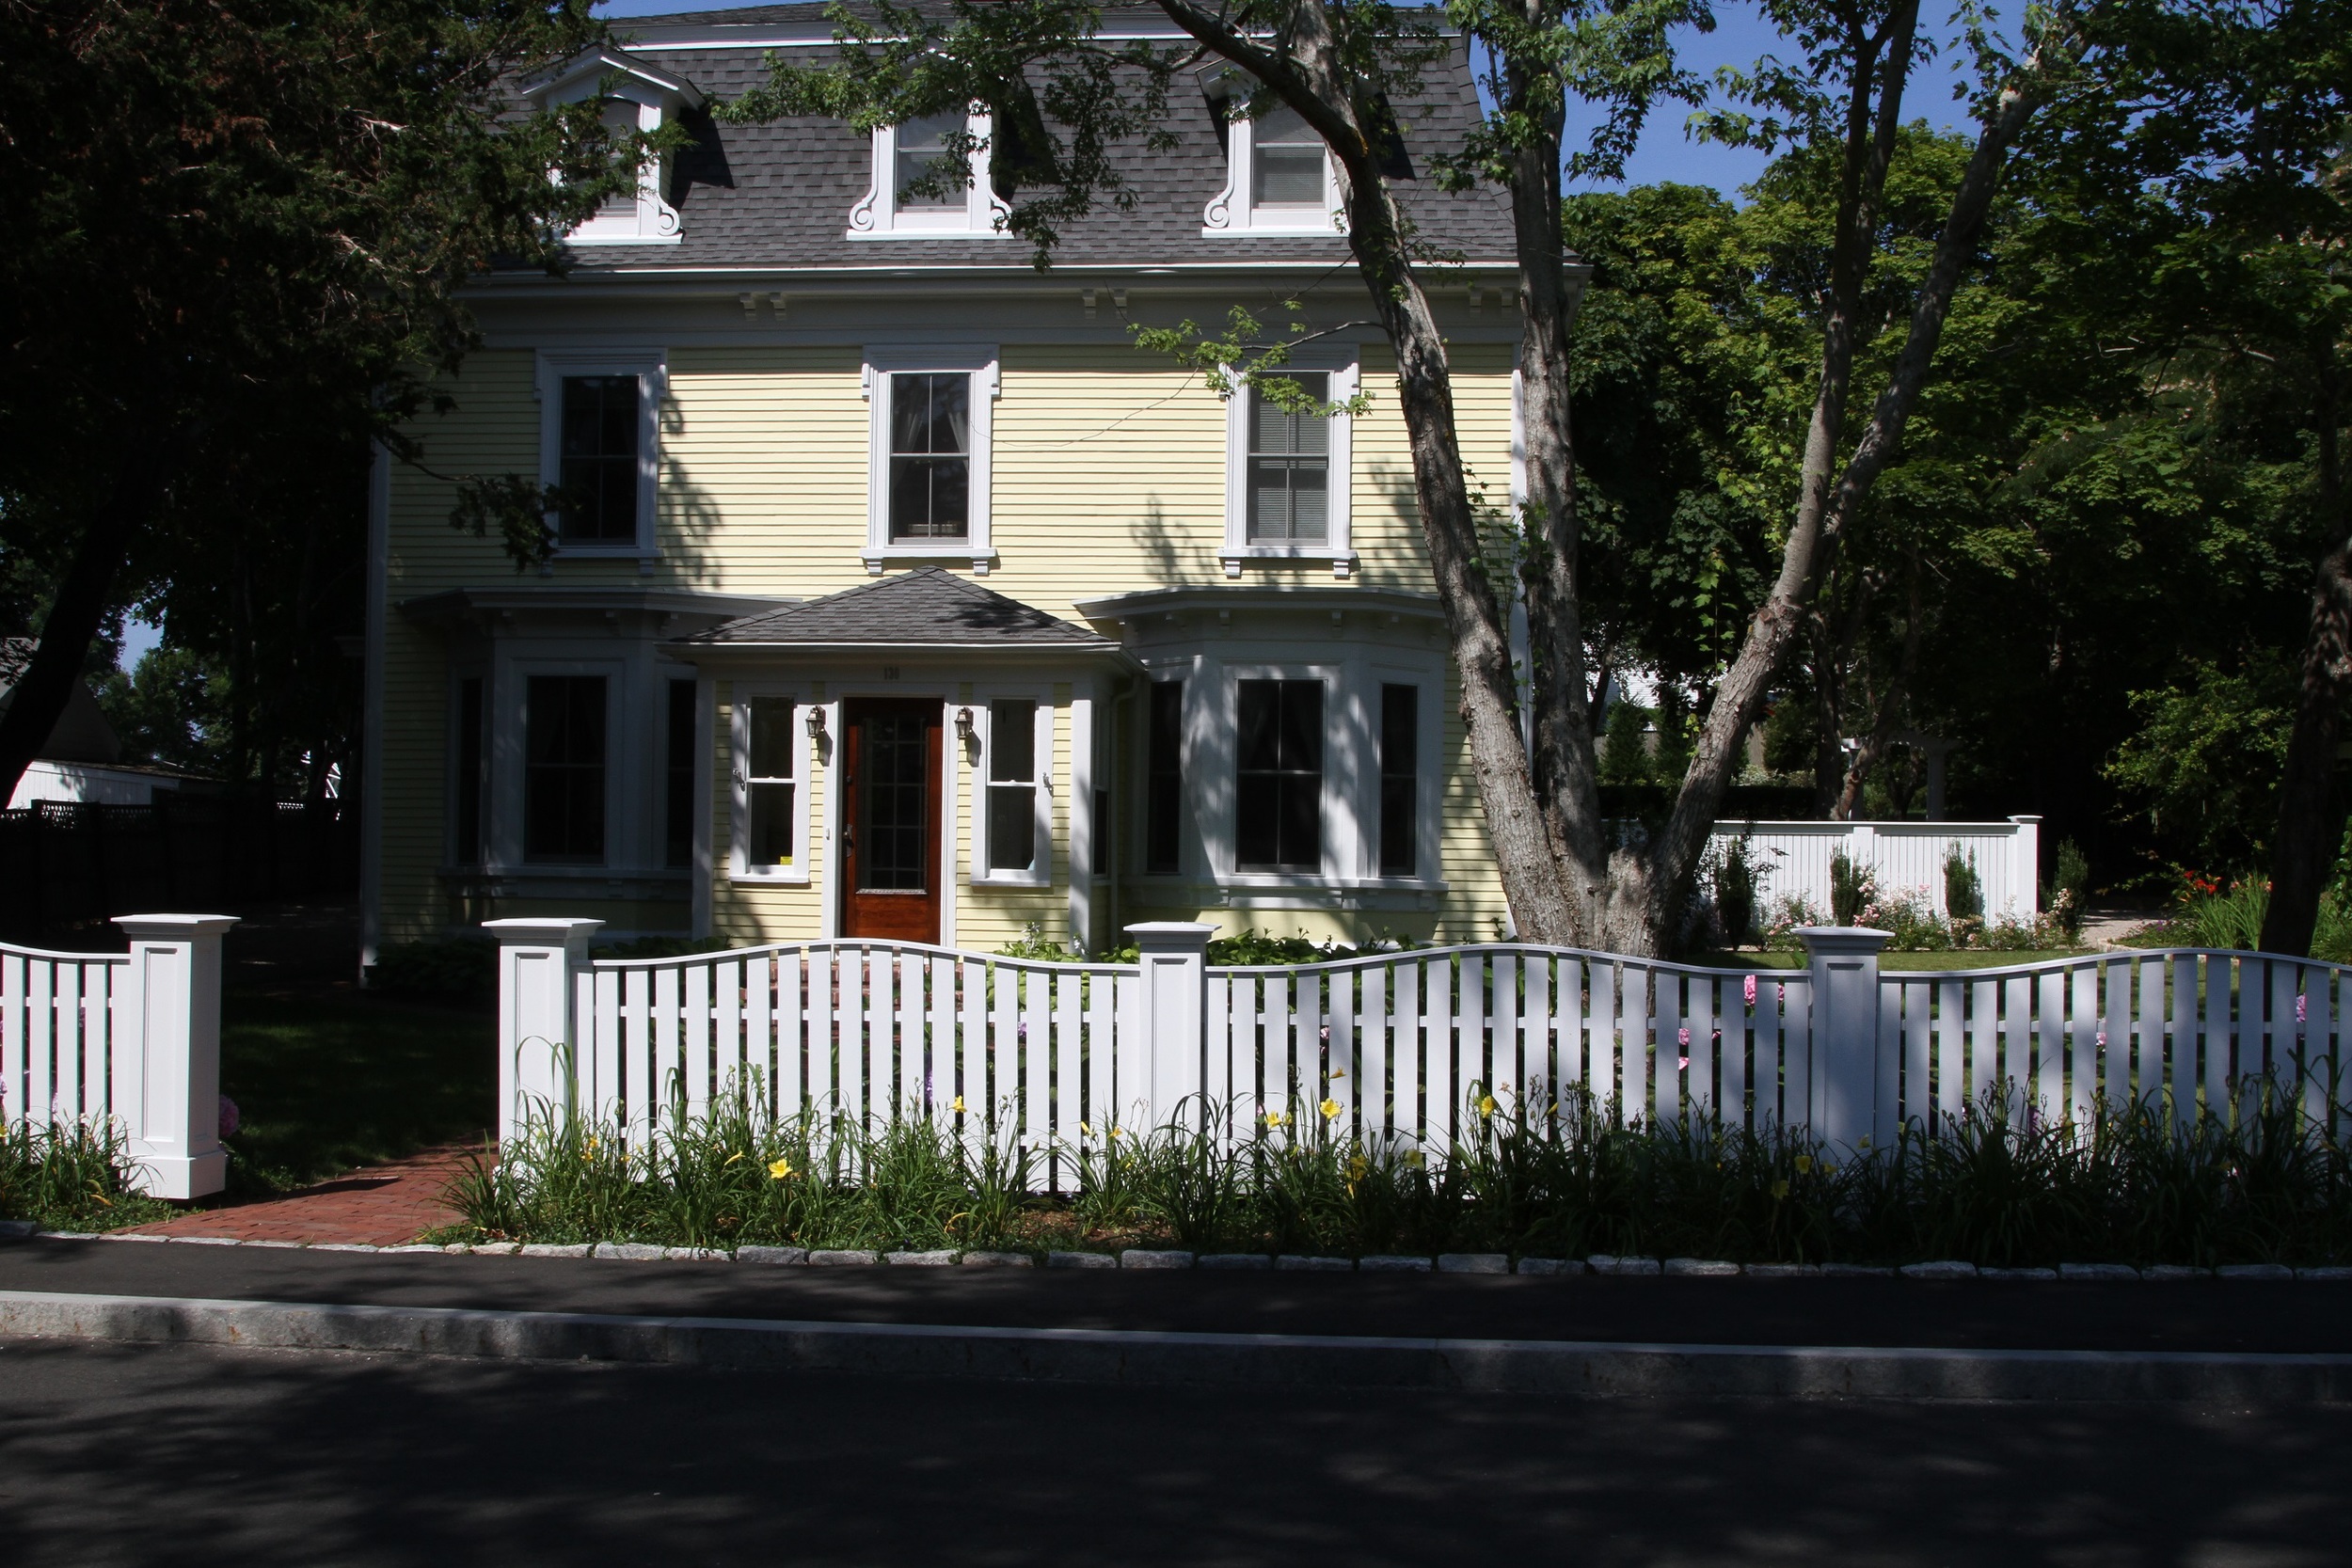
82, 760
902, 595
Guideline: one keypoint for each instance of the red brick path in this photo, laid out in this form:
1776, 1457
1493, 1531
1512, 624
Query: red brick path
384, 1205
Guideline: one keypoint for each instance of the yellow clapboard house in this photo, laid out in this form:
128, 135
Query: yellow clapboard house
897, 593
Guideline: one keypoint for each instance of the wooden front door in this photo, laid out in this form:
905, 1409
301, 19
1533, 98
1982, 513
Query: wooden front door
890, 870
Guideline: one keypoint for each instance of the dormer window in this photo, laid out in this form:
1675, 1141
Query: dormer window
636, 98
1280, 179
911, 151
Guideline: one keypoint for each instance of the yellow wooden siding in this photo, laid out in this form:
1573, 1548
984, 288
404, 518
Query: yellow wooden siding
1108, 477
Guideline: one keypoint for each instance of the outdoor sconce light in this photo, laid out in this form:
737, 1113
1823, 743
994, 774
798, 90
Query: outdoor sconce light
964, 725
816, 722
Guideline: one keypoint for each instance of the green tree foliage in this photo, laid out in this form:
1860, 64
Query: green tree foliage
237, 231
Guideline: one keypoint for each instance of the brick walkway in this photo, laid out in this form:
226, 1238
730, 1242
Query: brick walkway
383, 1205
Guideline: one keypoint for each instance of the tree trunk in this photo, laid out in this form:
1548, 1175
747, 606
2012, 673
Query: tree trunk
85, 595
2308, 839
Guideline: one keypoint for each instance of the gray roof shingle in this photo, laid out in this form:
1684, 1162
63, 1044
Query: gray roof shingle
779, 195
927, 607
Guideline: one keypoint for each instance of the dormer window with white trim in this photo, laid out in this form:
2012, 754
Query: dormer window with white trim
906, 152
636, 98
1280, 179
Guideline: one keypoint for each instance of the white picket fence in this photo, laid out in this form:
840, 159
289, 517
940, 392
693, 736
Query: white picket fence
1793, 858
129, 1040
1401, 1046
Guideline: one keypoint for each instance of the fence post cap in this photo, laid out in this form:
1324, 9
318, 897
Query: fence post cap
167, 927
2027, 821
523, 929
1172, 935
1843, 938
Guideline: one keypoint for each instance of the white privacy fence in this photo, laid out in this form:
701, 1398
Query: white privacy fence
1402, 1046
1794, 858
130, 1040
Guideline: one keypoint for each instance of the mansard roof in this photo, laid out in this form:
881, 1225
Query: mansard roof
754, 197
925, 608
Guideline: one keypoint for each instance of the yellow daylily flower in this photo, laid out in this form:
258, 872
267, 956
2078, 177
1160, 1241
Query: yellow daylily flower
1337, 1072
1486, 1106
1114, 1132
1274, 1118
1412, 1158
1804, 1164
958, 1106
1084, 1131
780, 1169
1780, 1189
1331, 1109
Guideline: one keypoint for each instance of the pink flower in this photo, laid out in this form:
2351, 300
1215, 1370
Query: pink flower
2103, 1039
229, 1119
1684, 1061
1683, 1037
2300, 1005
1747, 990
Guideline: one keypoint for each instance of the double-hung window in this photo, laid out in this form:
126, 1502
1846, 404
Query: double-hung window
919, 151
931, 455
597, 440
1013, 787
1290, 463
1164, 783
677, 799
1400, 779
1287, 166
930, 418
771, 814
1280, 179
1277, 795
563, 770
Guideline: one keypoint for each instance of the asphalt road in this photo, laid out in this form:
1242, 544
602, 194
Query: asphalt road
2209, 1315
193, 1455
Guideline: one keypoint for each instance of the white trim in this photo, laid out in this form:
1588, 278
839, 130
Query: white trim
1232, 211
652, 369
623, 790
1084, 869
878, 216
829, 906
703, 892
1342, 362
984, 701
882, 362
612, 77
740, 869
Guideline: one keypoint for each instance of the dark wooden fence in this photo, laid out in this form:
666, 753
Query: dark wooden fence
69, 866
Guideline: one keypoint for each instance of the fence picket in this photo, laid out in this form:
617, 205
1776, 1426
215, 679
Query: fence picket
1404, 1059
1633, 1036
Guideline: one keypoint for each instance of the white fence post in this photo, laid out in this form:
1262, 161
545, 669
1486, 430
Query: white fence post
2029, 861
166, 1088
537, 1059
1847, 1068
1174, 969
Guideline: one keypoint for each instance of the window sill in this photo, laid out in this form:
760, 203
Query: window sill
1011, 879
1279, 223
577, 238
1342, 561
981, 558
768, 878
990, 232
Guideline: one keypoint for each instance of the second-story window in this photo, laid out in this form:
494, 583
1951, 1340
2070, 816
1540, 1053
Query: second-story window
931, 455
600, 460
1290, 467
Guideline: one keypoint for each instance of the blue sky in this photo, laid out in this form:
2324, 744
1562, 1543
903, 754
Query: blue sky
1665, 152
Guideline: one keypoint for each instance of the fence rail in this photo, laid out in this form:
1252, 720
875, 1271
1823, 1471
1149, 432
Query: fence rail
129, 1040
1404, 1046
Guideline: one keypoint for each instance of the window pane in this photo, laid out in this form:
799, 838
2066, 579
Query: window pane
893, 837
1012, 742
1163, 801
1400, 749
598, 467
1011, 827
564, 768
678, 804
1289, 176
931, 475
772, 738
930, 414
1275, 430
929, 498
1288, 480
921, 143
1278, 780
467, 845
770, 826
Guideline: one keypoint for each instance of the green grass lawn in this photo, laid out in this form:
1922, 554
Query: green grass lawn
324, 1082
1892, 960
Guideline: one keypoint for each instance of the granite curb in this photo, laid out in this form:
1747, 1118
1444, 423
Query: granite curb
1475, 1262
1555, 1368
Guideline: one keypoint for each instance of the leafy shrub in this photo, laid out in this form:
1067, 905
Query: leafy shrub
1964, 890
1250, 947
73, 1176
455, 968
2206, 915
2069, 891
1850, 887
1738, 881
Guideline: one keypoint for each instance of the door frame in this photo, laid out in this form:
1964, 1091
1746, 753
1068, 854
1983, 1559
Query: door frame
840, 807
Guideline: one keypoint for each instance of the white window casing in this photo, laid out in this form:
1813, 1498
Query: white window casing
984, 712
1340, 362
882, 364
651, 369
744, 785
881, 215
1236, 209
637, 97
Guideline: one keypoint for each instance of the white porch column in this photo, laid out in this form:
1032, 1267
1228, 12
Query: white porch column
1853, 1071
1080, 813
166, 1086
538, 959
1174, 965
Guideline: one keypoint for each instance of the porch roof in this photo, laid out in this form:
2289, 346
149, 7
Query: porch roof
927, 608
